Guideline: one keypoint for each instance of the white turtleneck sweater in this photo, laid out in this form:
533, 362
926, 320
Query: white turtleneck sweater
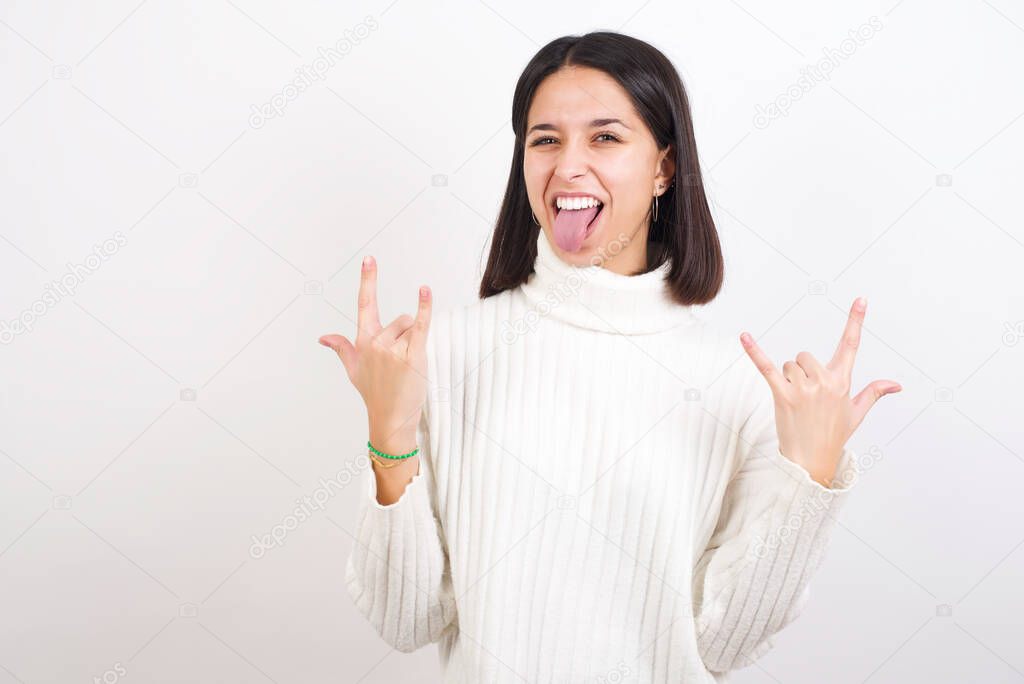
600, 494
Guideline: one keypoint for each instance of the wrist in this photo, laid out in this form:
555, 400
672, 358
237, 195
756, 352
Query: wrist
392, 442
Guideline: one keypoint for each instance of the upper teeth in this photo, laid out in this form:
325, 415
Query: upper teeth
576, 202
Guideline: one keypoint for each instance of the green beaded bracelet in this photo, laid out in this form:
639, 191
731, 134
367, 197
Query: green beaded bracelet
383, 455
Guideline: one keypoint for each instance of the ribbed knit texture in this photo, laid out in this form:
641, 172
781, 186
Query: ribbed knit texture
600, 494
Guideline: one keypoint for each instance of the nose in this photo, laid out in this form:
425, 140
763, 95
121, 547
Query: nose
572, 162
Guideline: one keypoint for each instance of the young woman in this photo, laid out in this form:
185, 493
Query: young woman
576, 478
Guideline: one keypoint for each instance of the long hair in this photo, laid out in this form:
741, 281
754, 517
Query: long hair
684, 231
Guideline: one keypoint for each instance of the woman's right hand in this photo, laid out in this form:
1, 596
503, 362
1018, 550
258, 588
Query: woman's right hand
387, 365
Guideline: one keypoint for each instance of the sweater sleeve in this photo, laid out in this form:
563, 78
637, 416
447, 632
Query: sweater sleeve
752, 579
398, 573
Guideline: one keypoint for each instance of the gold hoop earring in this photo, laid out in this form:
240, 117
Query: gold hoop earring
534, 217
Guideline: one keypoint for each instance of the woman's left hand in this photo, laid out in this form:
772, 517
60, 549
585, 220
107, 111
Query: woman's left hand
814, 414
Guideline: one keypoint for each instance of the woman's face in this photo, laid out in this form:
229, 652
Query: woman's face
572, 147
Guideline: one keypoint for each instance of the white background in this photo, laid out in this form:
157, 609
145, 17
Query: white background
178, 403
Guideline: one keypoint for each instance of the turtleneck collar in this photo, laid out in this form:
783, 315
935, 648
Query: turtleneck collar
596, 298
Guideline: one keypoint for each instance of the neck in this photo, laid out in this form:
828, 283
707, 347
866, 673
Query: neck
600, 299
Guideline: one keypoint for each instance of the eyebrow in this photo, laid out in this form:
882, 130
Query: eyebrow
596, 123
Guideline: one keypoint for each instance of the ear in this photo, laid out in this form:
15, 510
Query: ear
666, 166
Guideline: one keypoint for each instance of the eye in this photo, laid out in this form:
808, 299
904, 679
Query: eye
540, 141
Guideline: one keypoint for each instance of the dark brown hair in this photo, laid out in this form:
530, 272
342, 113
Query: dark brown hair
684, 232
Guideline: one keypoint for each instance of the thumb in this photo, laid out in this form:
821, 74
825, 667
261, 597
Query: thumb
345, 349
867, 397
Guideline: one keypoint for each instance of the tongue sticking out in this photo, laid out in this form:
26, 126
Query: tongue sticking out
570, 227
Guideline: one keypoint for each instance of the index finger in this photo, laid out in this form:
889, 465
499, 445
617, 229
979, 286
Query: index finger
776, 380
846, 352
369, 318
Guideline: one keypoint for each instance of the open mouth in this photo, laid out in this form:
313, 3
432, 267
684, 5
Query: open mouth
593, 220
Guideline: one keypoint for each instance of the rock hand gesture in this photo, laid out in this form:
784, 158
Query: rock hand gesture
387, 365
814, 415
